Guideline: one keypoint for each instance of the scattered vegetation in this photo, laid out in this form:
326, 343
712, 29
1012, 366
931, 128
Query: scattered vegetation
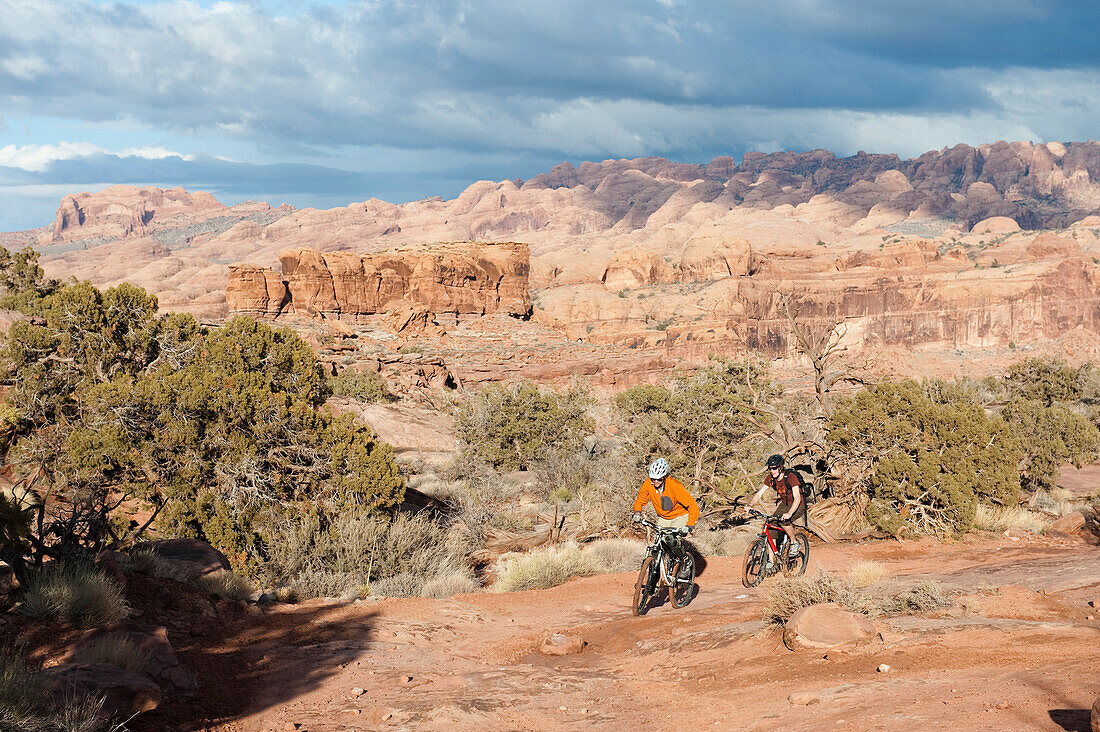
616, 555
74, 594
339, 555
708, 424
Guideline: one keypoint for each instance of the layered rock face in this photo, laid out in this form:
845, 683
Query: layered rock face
456, 279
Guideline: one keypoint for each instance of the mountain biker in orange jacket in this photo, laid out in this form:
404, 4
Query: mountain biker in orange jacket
675, 507
791, 505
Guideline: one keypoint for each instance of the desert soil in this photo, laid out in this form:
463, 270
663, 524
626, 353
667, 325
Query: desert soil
1022, 655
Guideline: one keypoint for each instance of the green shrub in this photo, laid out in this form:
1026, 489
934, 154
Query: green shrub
788, 595
540, 569
361, 385
509, 426
924, 464
1046, 379
1051, 437
75, 594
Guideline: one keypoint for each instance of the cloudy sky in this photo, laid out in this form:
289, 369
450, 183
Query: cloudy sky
323, 102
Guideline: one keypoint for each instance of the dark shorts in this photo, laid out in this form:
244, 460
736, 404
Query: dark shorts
799, 516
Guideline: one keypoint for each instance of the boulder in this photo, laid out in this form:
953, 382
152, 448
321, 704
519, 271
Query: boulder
193, 557
1068, 524
562, 644
125, 692
825, 626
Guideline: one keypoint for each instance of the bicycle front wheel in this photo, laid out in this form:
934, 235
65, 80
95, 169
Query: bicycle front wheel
797, 565
754, 563
641, 592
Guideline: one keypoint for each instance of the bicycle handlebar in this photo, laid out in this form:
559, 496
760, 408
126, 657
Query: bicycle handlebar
662, 530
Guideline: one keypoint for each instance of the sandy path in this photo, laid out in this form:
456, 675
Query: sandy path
1027, 659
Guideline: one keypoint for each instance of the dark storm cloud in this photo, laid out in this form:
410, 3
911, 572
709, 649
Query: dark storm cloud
496, 75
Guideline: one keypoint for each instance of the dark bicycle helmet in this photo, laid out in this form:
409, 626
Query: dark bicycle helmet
775, 461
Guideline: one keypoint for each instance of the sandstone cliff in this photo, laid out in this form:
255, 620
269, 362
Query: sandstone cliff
462, 278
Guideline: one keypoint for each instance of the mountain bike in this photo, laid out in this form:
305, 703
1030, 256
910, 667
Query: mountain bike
660, 570
766, 556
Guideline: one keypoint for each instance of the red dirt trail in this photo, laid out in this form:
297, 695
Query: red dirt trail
1019, 653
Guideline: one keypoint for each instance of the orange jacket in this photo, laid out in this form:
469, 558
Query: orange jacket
672, 502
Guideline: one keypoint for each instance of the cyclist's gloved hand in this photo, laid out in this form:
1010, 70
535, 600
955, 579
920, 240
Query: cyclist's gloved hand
637, 517
687, 530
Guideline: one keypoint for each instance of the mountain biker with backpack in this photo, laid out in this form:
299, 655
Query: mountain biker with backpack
675, 507
791, 503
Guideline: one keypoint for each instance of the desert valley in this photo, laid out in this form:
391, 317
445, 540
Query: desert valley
372, 467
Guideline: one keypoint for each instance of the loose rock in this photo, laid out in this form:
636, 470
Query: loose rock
560, 644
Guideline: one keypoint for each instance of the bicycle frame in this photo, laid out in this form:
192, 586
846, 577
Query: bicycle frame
658, 549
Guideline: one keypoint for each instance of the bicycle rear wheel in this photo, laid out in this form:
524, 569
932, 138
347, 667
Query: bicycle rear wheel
754, 563
641, 594
679, 594
797, 566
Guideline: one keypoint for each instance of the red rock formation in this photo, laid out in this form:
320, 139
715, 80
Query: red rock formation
457, 278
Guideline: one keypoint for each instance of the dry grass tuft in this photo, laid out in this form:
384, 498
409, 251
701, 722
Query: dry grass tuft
227, 584
925, 597
865, 573
1002, 518
148, 562
456, 583
616, 555
113, 650
542, 568
790, 594
75, 594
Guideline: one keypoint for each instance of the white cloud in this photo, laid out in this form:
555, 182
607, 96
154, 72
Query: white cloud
37, 158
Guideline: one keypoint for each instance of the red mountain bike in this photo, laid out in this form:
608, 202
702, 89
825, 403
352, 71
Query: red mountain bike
767, 556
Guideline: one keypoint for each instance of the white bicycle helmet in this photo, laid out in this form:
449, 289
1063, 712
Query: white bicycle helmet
659, 468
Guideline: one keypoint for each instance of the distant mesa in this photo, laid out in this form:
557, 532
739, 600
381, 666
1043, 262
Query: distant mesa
119, 212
